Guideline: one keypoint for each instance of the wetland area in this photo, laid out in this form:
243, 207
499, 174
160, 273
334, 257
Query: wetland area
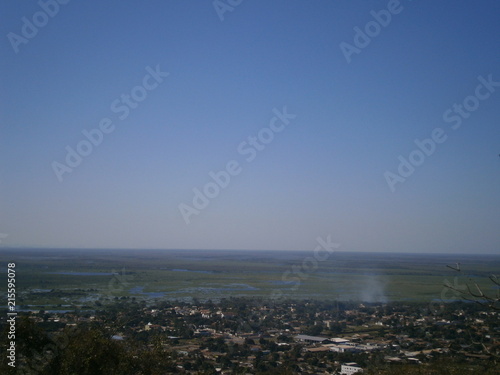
59, 279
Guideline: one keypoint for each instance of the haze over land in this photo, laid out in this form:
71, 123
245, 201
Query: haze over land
345, 122
272, 276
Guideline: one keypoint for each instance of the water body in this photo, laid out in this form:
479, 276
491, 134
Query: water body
227, 288
49, 311
185, 270
350, 274
281, 282
140, 290
195, 290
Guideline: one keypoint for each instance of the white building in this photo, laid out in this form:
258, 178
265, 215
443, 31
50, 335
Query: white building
343, 348
311, 339
338, 340
350, 368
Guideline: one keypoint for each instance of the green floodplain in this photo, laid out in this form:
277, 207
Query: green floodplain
59, 279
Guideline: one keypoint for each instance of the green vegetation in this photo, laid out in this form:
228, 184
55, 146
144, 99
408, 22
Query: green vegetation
178, 275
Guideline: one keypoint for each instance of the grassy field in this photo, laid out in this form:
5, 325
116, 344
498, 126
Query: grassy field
63, 279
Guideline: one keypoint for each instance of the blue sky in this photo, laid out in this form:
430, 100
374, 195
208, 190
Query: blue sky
324, 174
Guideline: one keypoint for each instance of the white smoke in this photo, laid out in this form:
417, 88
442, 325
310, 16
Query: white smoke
372, 289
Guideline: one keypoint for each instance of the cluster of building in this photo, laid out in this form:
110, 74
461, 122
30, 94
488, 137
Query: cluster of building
314, 337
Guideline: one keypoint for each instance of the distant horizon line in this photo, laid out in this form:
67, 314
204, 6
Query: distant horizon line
3, 248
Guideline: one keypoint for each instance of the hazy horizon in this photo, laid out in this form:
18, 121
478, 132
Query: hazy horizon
305, 251
173, 125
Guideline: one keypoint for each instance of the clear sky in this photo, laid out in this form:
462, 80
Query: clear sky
355, 103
